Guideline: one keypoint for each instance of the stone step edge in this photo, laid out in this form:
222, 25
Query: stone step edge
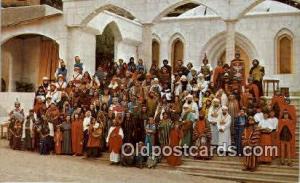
239, 178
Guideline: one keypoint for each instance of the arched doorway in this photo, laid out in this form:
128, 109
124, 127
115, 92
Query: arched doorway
177, 52
106, 45
243, 56
155, 52
25, 60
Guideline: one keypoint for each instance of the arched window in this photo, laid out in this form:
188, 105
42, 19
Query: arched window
284, 51
177, 52
284, 54
155, 52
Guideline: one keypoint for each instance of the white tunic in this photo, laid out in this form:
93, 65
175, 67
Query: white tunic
258, 117
274, 122
265, 124
214, 129
224, 137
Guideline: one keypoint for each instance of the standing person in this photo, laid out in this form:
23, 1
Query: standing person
77, 135
17, 135
257, 72
239, 129
28, 131
66, 143
187, 125
114, 141
206, 69
94, 142
217, 75
286, 132
175, 140
78, 64
266, 128
214, 114
86, 124
166, 65
129, 128
164, 128
58, 138
251, 138
202, 137
61, 70
47, 134
224, 129
150, 130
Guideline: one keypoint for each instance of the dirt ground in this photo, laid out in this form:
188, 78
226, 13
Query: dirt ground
20, 166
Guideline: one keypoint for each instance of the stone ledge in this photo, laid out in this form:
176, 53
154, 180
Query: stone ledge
17, 15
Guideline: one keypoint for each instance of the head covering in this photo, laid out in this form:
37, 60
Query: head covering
45, 78
60, 76
186, 105
189, 96
53, 84
183, 78
215, 100
225, 108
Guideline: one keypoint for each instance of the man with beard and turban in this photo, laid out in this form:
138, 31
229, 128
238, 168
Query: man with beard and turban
193, 105
223, 126
257, 72
183, 85
214, 115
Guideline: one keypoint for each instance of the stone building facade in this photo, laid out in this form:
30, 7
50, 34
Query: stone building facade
213, 27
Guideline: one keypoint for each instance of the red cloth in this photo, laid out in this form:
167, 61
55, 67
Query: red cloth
175, 137
115, 141
77, 136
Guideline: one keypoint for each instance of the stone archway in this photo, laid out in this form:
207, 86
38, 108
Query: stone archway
106, 45
216, 47
26, 59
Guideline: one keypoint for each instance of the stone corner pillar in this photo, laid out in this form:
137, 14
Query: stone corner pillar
82, 43
146, 47
230, 40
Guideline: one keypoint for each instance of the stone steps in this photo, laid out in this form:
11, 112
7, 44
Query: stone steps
230, 168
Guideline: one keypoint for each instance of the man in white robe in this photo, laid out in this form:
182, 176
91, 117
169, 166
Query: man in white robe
213, 117
224, 129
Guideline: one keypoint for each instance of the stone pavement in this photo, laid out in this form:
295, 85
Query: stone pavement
32, 167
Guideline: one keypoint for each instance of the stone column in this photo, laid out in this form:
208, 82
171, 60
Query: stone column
83, 44
230, 40
146, 51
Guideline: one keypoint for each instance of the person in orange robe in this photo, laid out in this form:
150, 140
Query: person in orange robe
202, 137
217, 74
176, 135
57, 140
277, 103
245, 97
77, 135
253, 88
286, 132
